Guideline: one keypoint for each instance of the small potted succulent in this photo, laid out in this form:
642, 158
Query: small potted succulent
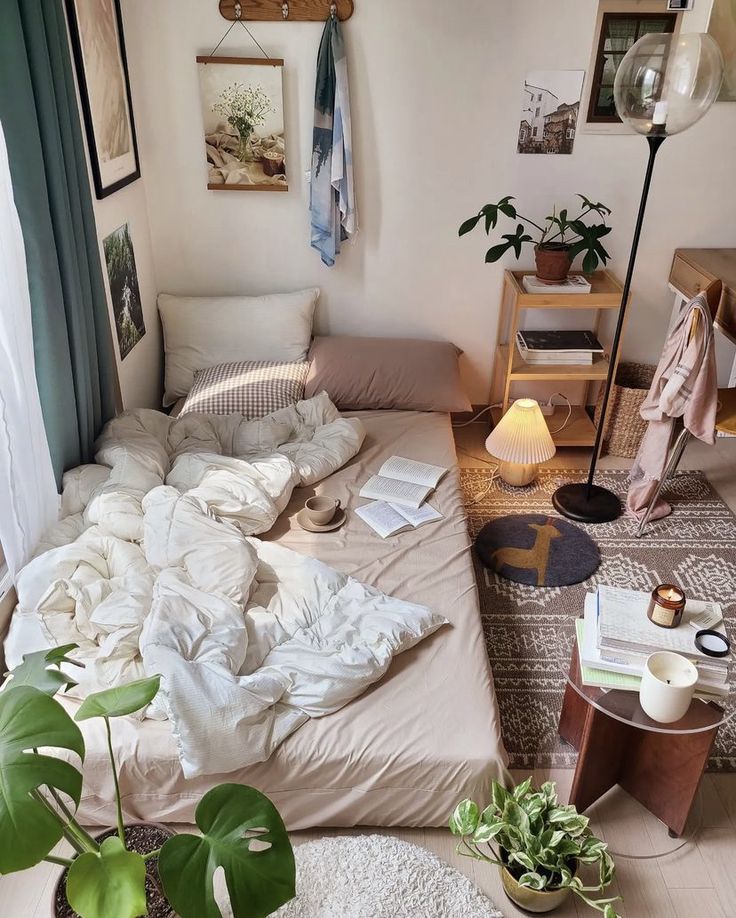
538, 846
557, 243
130, 871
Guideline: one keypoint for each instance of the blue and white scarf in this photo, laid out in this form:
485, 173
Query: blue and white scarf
332, 196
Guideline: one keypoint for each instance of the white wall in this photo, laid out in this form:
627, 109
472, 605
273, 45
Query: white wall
436, 94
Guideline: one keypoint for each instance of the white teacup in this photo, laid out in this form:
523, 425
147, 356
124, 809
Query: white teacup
667, 686
321, 510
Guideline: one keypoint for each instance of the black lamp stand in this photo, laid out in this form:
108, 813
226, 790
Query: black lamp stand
588, 502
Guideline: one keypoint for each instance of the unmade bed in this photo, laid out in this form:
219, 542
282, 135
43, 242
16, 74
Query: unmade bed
409, 748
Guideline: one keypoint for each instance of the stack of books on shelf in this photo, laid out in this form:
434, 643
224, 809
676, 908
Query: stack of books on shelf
615, 637
566, 348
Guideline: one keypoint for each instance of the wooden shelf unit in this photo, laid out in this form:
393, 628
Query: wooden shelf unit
511, 367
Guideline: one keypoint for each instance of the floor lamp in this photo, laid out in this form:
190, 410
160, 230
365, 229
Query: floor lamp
664, 85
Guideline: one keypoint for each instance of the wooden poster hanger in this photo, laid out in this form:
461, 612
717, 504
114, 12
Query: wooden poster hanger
285, 10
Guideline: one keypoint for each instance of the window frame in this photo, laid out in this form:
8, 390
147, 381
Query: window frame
626, 8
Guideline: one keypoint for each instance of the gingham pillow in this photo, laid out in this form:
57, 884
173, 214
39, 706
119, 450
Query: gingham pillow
253, 388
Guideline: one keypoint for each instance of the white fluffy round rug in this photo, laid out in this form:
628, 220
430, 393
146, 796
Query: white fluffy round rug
376, 876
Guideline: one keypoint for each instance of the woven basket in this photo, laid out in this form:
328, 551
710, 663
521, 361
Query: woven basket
625, 427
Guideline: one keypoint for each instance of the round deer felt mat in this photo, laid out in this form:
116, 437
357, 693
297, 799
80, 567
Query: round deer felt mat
537, 550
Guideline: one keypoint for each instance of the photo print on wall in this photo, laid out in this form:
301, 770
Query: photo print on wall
549, 111
124, 291
243, 113
96, 29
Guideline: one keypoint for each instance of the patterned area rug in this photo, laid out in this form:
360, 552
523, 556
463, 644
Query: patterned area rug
529, 630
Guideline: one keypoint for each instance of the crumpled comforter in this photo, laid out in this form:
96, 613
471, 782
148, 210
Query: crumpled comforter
154, 568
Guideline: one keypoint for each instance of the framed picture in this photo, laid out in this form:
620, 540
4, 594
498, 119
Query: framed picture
243, 118
722, 27
96, 29
549, 111
124, 291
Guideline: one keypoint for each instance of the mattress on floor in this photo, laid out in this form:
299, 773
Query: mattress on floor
405, 752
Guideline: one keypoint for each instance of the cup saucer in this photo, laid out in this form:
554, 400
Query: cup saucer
307, 524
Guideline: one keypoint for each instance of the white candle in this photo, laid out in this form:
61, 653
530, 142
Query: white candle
660, 112
667, 686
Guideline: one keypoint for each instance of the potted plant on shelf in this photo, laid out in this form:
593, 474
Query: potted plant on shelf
557, 243
121, 874
537, 845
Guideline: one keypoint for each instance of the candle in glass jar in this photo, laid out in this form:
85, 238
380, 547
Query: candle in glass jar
666, 605
667, 686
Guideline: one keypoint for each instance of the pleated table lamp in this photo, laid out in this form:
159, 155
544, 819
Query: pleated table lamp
521, 441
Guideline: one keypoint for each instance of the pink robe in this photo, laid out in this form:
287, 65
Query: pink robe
684, 386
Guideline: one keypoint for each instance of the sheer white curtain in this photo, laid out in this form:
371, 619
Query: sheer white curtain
28, 499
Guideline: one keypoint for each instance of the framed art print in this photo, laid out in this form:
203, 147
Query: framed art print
243, 118
96, 29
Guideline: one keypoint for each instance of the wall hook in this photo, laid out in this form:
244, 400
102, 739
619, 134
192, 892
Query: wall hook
238, 11
285, 9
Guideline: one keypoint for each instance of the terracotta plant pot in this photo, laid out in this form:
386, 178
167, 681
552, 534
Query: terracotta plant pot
59, 905
553, 261
532, 900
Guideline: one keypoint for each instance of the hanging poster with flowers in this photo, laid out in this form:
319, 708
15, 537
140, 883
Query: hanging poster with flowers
243, 113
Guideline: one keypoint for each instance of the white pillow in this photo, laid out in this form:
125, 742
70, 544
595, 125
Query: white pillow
201, 332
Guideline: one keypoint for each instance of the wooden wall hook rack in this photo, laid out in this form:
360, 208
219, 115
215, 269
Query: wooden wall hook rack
285, 10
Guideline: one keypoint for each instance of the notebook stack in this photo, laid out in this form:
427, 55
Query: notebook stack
615, 638
576, 348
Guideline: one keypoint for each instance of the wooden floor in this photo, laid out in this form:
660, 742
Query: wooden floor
699, 881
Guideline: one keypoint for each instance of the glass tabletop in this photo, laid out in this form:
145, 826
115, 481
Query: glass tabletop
624, 706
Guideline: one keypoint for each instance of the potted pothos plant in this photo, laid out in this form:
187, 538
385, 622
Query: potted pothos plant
556, 244
122, 874
537, 844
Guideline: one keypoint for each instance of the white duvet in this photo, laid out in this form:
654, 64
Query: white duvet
154, 568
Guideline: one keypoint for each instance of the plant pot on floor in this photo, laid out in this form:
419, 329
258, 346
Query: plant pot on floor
532, 900
553, 261
141, 838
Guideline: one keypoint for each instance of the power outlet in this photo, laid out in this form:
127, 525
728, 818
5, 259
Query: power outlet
547, 410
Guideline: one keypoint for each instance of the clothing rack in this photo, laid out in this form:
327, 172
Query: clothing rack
285, 10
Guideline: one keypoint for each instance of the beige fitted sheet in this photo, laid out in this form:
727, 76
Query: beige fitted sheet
405, 752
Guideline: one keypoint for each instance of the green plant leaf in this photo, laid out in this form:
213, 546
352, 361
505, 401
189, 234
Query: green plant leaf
487, 831
521, 790
464, 821
469, 225
117, 702
497, 251
514, 816
532, 880
521, 857
499, 796
112, 882
30, 719
609, 912
34, 670
231, 817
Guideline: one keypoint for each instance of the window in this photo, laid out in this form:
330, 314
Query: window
536, 113
539, 97
570, 133
535, 132
618, 32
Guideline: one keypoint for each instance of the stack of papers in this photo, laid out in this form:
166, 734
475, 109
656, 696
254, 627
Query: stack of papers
614, 615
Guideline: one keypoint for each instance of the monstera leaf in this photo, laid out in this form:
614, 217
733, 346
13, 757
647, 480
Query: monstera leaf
30, 719
34, 670
513, 241
109, 882
243, 833
117, 702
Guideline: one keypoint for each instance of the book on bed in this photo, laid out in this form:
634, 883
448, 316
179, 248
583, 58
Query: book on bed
405, 482
390, 519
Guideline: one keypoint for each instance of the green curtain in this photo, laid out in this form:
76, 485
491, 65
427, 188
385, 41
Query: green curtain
75, 364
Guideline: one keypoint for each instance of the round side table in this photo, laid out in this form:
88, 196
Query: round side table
660, 765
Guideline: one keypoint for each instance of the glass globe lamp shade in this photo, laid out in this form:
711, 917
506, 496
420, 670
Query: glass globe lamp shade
666, 83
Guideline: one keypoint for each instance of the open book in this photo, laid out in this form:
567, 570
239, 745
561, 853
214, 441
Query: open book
404, 482
387, 519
